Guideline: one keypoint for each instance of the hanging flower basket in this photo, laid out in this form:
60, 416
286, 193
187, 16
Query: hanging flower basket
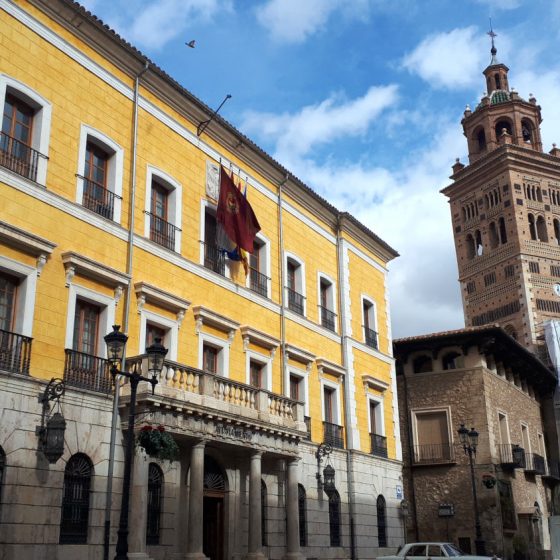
489, 480
157, 443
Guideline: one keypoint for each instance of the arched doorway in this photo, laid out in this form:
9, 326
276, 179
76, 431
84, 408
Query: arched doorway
215, 485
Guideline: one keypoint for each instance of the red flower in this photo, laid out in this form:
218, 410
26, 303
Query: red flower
161, 428
146, 429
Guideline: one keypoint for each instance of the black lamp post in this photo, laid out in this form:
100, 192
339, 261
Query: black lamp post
469, 439
116, 342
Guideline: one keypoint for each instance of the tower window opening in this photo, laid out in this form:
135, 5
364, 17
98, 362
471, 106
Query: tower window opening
557, 231
532, 227
502, 229
541, 229
481, 140
493, 233
471, 252
498, 81
478, 243
527, 131
500, 126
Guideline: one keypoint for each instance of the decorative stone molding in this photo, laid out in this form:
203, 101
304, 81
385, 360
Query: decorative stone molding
204, 316
27, 242
326, 366
119, 291
300, 355
166, 300
371, 382
249, 334
88, 268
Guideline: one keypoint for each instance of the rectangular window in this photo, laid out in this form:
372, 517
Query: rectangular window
209, 358
328, 401
555, 270
256, 374
8, 290
86, 323
294, 280
489, 279
257, 277
432, 437
213, 257
295, 387
534, 267
16, 152
509, 271
154, 332
370, 334
328, 317
161, 231
97, 196
471, 287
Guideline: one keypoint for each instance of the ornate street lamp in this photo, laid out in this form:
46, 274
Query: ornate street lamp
469, 440
328, 479
324, 450
116, 343
52, 428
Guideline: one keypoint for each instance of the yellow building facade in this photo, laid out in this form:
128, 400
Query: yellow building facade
108, 216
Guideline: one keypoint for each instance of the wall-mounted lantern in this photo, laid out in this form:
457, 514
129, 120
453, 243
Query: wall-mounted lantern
328, 479
324, 450
52, 428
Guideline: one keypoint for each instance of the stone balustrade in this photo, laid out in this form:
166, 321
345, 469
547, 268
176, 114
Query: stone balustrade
184, 383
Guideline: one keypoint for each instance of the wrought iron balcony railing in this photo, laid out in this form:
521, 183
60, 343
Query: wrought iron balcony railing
86, 371
371, 337
15, 352
430, 453
98, 198
328, 318
511, 456
378, 445
333, 435
214, 259
162, 232
258, 282
552, 470
19, 157
535, 463
295, 301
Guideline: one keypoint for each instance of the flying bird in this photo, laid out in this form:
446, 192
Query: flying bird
190, 44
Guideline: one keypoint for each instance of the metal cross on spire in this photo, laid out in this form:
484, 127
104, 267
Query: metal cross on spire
493, 50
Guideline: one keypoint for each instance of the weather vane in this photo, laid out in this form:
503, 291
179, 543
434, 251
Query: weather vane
491, 33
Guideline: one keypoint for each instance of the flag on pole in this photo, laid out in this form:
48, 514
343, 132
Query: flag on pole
235, 214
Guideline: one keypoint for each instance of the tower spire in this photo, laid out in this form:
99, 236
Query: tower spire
493, 50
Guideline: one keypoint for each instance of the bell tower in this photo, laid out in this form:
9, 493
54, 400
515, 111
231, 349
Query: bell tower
505, 210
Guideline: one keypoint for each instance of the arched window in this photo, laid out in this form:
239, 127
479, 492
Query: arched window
527, 131
155, 501
264, 499
478, 242
452, 360
481, 139
381, 522
422, 364
503, 232
2, 469
334, 518
532, 227
557, 231
493, 234
500, 126
302, 512
470, 247
498, 81
541, 229
75, 500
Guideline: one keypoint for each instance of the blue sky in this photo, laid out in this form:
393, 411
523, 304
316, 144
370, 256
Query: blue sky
362, 100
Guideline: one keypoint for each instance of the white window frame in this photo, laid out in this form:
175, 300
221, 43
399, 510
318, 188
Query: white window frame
223, 352
300, 278
419, 411
106, 317
40, 135
502, 413
114, 166
267, 265
331, 297
379, 413
525, 428
542, 446
337, 411
372, 315
174, 202
265, 362
25, 293
171, 333
204, 204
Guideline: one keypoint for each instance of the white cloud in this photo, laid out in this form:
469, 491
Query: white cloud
450, 60
335, 118
153, 23
293, 21
501, 4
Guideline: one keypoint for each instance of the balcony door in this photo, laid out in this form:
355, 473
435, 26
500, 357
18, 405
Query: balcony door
17, 128
432, 437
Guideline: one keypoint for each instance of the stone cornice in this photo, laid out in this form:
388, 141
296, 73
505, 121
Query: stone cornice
249, 334
328, 367
205, 316
25, 241
75, 263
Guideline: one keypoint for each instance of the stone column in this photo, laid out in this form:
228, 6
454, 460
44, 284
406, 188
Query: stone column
138, 516
195, 528
255, 521
292, 512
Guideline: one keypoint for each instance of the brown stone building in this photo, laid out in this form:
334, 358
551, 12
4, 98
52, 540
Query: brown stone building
484, 379
505, 208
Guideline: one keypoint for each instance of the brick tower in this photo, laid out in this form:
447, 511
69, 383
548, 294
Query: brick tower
505, 209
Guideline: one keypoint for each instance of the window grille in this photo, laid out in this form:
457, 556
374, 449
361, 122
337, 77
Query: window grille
334, 518
534, 267
155, 500
381, 522
2, 469
75, 500
302, 507
263, 513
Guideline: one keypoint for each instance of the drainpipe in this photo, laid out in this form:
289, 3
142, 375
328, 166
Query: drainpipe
347, 397
115, 417
283, 361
